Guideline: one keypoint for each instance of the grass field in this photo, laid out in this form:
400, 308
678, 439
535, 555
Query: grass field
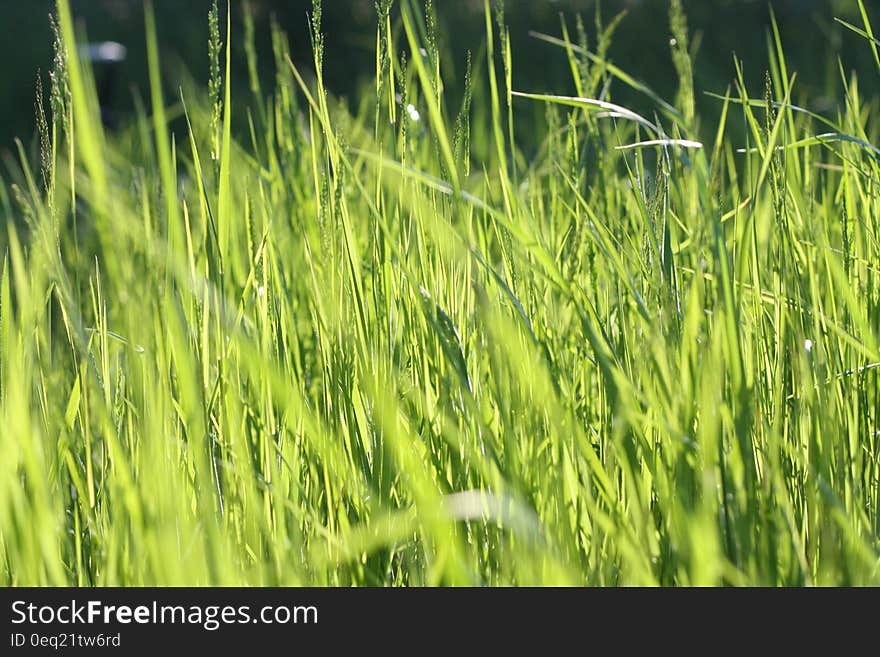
376, 343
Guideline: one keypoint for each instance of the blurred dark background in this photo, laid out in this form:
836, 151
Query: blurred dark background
719, 28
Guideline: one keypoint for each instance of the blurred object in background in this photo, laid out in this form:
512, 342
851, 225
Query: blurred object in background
106, 59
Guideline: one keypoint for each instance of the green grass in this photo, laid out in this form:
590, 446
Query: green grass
384, 346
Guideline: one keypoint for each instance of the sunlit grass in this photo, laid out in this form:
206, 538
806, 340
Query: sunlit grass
387, 347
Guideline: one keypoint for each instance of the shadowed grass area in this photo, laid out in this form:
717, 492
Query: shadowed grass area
344, 350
